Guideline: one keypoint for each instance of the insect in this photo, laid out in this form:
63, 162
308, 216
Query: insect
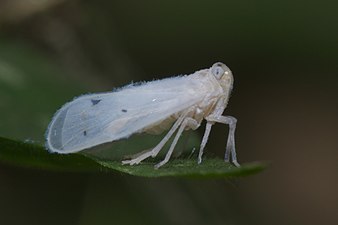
175, 104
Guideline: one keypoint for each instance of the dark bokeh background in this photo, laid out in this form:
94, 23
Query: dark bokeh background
284, 58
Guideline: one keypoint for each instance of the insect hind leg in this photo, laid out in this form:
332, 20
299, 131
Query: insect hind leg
187, 122
154, 152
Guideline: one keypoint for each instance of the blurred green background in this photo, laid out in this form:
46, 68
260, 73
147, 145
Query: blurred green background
284, 58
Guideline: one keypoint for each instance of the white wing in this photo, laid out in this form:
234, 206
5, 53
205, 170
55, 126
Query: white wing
95, 119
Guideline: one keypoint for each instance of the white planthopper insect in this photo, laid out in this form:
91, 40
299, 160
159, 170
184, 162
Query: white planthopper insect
181, 102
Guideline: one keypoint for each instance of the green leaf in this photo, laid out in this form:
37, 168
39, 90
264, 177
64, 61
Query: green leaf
35, 156
209, 168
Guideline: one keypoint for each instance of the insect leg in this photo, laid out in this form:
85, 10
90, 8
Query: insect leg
187, 122
231, 121
204, 140
220, 109
159, 146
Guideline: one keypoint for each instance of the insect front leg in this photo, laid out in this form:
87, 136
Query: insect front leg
230, 148
193, 124
220, 109
204, 140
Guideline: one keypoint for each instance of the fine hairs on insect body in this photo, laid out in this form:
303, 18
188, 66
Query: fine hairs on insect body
174, 104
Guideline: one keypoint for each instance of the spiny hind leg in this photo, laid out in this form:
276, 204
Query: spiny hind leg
188, 122
230, 148
158, 147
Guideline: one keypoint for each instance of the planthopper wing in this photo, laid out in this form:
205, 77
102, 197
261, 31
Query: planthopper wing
94, 119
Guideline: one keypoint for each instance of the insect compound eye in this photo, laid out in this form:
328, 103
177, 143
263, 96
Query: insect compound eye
217, 70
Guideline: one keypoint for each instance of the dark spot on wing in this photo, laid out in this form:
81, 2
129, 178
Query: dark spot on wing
124, 110
85, 133
95, 101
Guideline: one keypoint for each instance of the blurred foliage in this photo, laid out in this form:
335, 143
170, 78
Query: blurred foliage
15, 10
30, 90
